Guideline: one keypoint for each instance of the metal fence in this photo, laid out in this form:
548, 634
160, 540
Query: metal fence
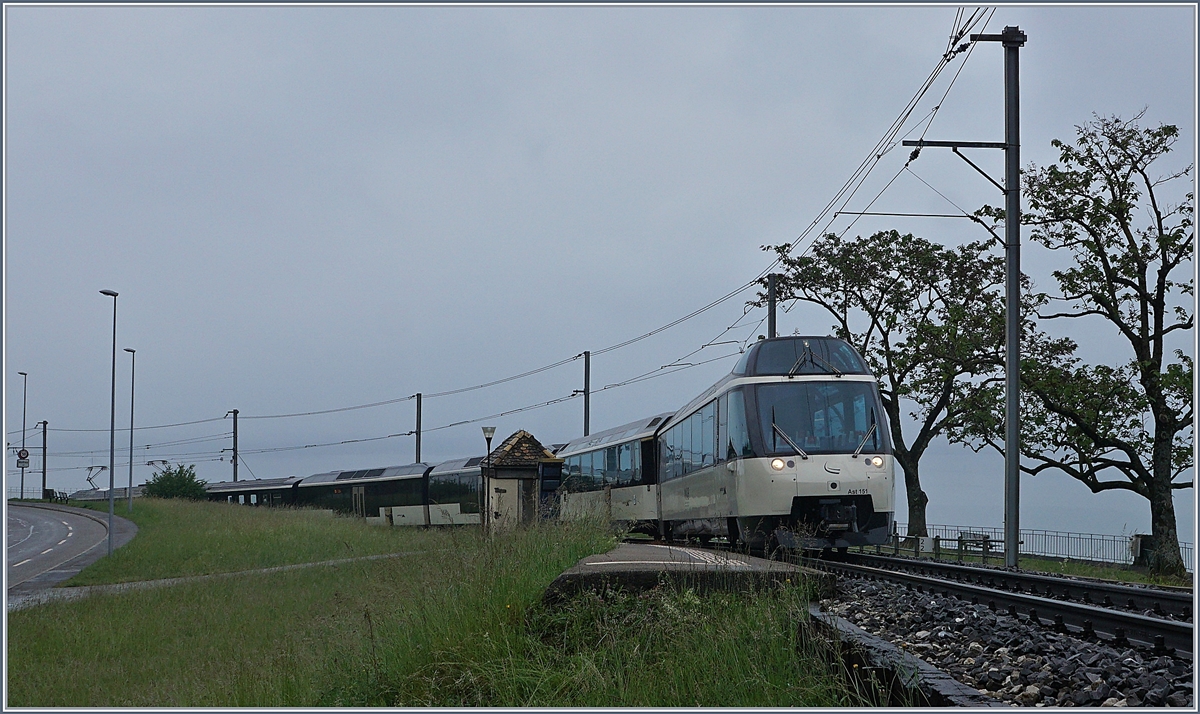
1055, 544
31, 490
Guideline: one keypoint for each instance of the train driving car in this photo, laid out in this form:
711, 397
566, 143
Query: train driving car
612, 474
365, 492
453, 493
255, 492
790, 449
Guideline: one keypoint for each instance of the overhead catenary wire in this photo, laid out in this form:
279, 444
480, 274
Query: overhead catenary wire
143, 447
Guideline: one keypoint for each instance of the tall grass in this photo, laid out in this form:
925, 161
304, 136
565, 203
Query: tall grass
460, 624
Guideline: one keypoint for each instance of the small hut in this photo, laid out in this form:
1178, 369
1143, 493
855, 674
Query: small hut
513, 475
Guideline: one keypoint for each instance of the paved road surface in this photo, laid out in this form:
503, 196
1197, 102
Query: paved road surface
48, 544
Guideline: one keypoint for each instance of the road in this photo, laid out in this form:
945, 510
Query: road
47, 545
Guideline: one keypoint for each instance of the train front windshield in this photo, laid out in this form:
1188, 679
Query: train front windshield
832, 417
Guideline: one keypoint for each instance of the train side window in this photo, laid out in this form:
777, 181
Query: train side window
677, 453
670, 454
585, 471
685, 442
635, 459
708, 435
739, 436
625, 464
612, 474
576, 472
722, 427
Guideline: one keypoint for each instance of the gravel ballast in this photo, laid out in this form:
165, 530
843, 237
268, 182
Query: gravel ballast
1010, 658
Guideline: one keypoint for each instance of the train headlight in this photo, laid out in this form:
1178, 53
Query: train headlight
877, 461
777, 464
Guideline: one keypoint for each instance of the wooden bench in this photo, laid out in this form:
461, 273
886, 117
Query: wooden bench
974, 542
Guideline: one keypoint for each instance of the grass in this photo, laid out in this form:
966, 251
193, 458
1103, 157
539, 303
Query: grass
459, 624
179, 538
1066, 566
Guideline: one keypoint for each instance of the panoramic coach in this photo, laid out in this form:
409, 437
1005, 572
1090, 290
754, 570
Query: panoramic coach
791, 449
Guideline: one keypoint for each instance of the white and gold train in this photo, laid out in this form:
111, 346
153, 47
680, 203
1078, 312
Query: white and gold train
791, 449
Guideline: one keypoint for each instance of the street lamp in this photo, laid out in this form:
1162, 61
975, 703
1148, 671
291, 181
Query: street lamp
132, 374
485, 502
112, 422
24, 393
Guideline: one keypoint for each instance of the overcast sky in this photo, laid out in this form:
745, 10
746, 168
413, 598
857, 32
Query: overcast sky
310, 208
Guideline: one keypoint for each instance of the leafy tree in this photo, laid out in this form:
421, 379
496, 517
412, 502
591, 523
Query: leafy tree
176, 482
928, 319
1128, 426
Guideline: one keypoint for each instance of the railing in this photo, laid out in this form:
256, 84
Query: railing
99, 494
1052, 544
31, 490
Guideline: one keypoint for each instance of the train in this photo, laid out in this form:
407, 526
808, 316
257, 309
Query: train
791, 449
417, 494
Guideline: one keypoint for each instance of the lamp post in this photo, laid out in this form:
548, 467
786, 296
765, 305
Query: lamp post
132, 375
45, 424
112, 422
485, 502
24, 394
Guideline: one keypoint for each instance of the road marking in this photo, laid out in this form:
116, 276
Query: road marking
64, 540
68, 525
23, 562
45, 551
70, 534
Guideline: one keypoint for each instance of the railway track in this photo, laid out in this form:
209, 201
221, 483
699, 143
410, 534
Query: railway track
1011, 593
1175, 603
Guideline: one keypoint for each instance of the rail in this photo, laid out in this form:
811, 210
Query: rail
1119, 550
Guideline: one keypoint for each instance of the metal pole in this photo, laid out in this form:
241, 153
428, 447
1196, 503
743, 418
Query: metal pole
24, 395
1013, 39
485, 500
235, 456
418, 428
132, 377
771, 305
44, 424
587, 393
112, 423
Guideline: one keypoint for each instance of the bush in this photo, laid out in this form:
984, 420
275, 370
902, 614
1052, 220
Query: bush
177, 482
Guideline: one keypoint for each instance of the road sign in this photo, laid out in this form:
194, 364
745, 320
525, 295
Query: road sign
22, 463
23, 454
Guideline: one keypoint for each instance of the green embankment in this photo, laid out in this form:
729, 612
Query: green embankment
459, 622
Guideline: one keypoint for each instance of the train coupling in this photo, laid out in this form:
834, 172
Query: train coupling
837, 517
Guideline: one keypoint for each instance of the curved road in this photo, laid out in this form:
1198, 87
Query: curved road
48, 544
